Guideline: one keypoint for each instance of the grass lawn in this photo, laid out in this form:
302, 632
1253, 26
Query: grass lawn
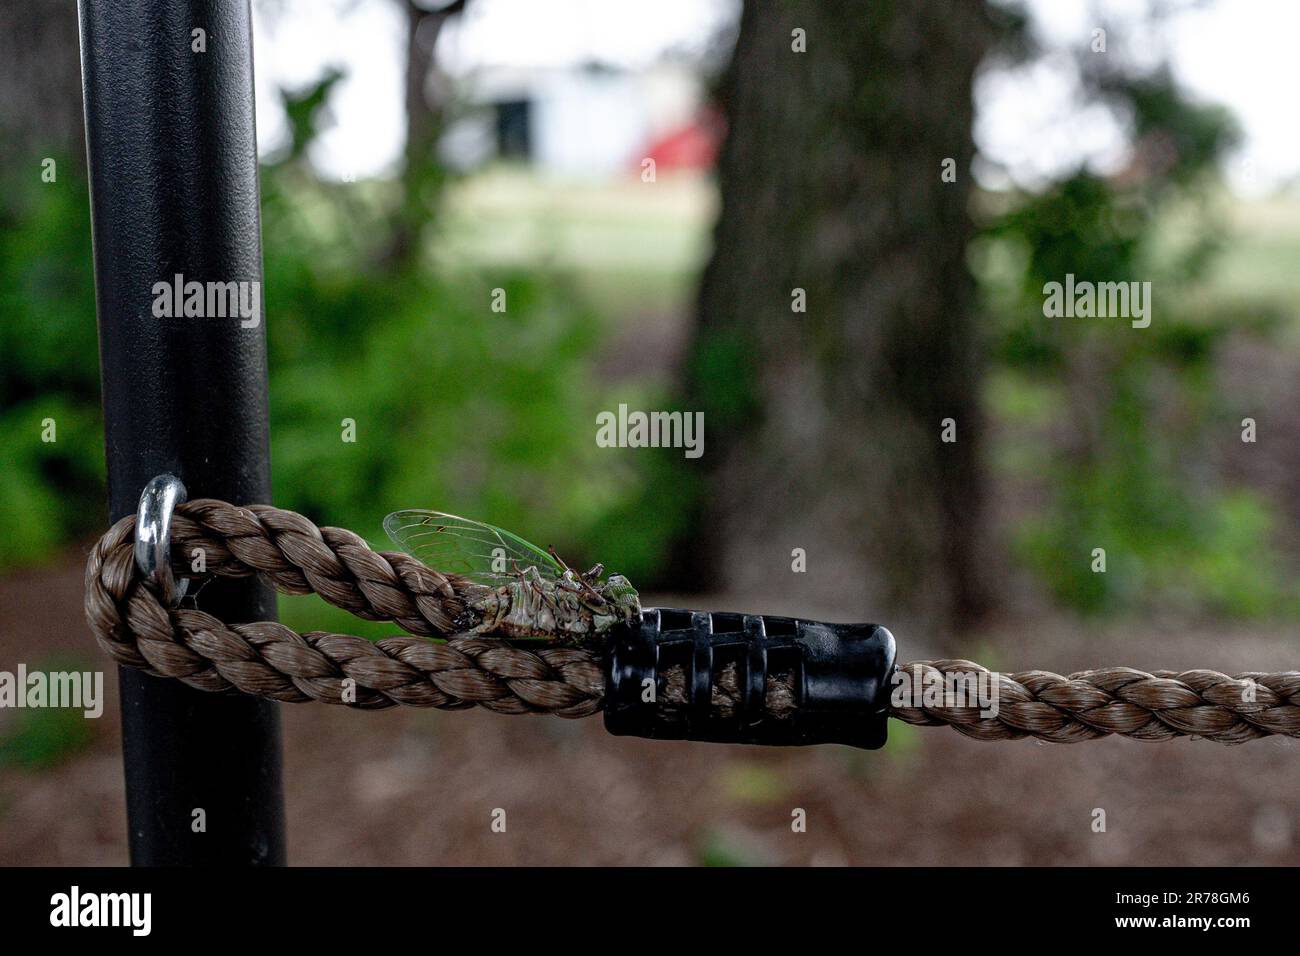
633, 248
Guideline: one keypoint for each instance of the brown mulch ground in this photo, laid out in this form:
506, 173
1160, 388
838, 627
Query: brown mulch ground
412, 787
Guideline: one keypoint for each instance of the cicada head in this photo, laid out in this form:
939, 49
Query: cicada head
622, 598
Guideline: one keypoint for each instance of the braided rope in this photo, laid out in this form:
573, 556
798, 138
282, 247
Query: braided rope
1118, 700
299, 558
267, 659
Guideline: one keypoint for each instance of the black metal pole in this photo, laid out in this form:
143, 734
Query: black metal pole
173, 165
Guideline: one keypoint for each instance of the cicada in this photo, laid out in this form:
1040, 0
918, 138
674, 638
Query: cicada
517, 590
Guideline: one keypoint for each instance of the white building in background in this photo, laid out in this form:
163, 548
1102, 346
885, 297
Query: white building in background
591, 121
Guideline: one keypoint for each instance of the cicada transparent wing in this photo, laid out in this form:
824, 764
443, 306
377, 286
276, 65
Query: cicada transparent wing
483, 553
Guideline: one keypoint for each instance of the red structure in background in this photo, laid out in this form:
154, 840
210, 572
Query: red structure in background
693, 146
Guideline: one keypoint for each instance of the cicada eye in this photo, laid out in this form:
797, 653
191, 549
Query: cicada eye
620, 589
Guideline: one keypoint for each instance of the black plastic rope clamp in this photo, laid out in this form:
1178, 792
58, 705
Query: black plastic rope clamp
839, 673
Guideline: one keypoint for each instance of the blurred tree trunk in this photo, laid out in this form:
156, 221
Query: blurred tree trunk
824, 427
40, 85
421, 171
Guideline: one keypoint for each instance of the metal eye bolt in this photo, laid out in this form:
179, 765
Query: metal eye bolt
153, 536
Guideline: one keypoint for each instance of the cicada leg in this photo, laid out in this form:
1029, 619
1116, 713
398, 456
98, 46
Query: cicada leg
581, 579
533, 579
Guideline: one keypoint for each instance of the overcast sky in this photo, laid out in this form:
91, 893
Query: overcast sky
1236, 52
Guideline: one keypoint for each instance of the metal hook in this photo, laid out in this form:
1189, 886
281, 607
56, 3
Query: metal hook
153, 536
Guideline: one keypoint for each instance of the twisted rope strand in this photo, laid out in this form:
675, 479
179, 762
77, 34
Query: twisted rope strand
300, 558
267, 659
1117, 700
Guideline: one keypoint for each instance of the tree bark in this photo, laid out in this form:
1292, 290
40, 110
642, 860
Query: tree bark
825, 426
40, 85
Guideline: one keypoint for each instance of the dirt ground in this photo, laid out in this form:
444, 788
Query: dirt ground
412, 787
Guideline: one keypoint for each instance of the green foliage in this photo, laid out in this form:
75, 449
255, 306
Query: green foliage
51, 491
1208, 557
457, 407
722, 847
751, 782
43, 737
307, 612
492, 414
1124, 414
724, 371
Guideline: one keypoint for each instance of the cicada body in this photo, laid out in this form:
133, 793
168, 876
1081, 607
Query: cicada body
517, 590
534, 606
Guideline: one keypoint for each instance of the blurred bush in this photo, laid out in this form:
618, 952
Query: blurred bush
490, 414
37, 738
50, 491
1107, 427
456, 407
